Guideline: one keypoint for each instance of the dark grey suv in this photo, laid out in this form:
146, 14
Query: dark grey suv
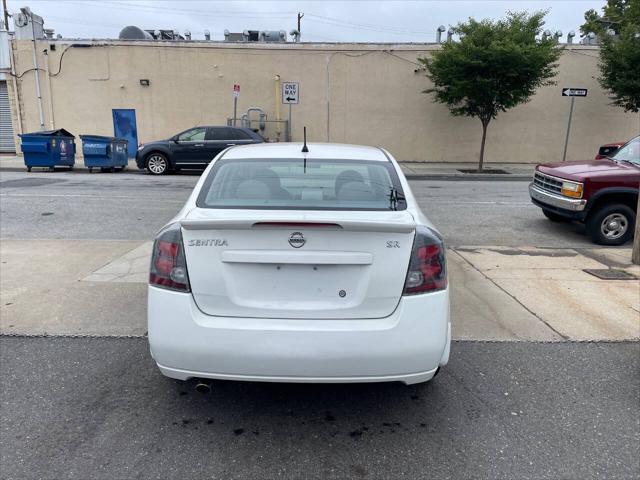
191, 149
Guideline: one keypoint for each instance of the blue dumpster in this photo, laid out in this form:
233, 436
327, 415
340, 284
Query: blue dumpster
49, 149
106, 153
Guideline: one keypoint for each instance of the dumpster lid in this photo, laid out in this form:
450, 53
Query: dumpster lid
60, 132
101, 138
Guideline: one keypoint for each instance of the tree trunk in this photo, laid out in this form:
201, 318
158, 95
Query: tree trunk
485, 124
635, 256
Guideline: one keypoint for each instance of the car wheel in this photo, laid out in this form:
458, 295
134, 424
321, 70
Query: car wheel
157, 164
611, 224
554, 217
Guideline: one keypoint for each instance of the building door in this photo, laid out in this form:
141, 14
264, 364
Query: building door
7, 144
124, 126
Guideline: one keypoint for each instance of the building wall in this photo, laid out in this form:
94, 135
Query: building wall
353, 93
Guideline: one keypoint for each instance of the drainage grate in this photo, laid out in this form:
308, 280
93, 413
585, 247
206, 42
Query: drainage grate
484, 171
610, 274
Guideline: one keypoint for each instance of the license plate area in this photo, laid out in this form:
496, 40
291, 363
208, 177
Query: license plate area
296, 286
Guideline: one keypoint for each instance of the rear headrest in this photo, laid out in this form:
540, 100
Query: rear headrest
347, 176
355, 192
253, 190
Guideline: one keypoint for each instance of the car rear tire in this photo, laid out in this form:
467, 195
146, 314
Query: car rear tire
611, 224
554, 217
157, 164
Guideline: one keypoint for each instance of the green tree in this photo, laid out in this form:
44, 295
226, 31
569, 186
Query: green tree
619, 53
495, 66
591, 23
616, 14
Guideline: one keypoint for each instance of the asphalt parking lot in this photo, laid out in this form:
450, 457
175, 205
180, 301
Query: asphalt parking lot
133, 206
98, 408
84, 407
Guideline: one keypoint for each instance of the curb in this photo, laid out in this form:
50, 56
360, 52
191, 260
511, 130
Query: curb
466, 177
476, 177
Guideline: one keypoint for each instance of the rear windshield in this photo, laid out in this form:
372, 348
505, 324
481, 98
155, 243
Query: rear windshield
630, 152
295, 184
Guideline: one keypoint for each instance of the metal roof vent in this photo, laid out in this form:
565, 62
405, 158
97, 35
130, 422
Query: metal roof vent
450, 33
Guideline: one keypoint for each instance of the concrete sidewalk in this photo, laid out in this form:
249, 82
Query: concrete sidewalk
93, 287
412, 170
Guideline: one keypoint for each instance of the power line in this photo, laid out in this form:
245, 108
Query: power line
118, 5
368, 26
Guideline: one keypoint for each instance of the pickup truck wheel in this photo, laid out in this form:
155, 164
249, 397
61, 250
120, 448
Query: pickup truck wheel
554, 217
611, 224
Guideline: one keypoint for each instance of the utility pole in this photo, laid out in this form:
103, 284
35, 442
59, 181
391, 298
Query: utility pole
6, 15
300, 15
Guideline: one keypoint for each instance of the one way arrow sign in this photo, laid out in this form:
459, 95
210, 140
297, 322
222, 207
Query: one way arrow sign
290, 92
574, 92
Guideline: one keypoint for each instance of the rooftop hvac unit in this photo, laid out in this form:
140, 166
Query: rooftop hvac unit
28, 25
251, 35
273, 36
234, 37
270, 36
134, 33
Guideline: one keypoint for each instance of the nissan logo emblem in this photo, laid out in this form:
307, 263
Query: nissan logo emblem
297, 240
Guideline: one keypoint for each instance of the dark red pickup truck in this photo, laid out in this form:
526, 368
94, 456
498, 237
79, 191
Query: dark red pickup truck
603, 194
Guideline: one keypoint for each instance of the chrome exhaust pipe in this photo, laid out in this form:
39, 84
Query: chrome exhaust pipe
203, 386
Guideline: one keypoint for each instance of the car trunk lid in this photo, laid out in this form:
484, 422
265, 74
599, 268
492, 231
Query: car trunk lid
297, 264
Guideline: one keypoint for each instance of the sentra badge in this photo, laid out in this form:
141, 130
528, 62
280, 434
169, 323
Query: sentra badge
213, 242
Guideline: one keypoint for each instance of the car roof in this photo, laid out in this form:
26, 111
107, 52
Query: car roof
334, 151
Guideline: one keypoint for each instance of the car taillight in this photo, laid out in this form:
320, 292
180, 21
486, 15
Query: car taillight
427, 268
168, 263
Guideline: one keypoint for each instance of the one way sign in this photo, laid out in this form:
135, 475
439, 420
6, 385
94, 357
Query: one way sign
290, 92
574, 92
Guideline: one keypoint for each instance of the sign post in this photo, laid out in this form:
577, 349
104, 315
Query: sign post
573, 93
290, 95
236, 94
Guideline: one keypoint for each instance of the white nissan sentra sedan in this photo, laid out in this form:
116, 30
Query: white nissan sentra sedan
293, 266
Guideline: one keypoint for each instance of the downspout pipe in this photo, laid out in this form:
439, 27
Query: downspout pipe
14, 83
37, 72
50, 97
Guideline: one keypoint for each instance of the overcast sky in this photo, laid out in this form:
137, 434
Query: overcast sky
359, 21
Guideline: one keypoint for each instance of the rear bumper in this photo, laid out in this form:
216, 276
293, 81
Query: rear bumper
408, 346
569, 207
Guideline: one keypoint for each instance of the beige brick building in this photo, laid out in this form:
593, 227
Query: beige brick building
353, 93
